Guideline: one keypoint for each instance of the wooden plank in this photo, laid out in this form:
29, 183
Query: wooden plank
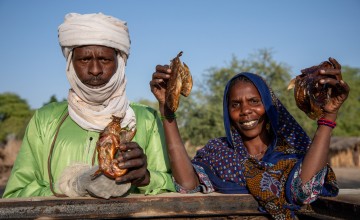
171, 206
167, 205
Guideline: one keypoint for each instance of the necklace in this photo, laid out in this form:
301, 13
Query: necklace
255, 156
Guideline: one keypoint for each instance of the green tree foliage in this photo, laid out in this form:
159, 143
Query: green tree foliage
348, 121
15, 114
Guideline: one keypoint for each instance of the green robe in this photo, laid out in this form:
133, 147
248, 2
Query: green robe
29, 176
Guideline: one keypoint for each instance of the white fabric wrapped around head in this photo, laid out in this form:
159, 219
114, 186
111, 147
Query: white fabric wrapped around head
92, 108
93, 29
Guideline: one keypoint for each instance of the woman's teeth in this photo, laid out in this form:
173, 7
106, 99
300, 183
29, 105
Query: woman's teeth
249, 123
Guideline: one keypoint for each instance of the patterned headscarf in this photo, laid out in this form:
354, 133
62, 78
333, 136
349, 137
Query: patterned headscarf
230, 168
92, 108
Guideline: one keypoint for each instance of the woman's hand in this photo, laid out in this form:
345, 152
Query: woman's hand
339, 89
158, 84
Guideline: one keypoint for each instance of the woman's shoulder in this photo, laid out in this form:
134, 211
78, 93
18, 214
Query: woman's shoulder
216, 143
218, 140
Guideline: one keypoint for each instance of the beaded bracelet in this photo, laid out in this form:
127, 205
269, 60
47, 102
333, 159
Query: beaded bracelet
168, 117
323, 121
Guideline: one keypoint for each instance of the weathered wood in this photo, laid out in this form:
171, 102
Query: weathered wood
171, 206
345, 206
167, 205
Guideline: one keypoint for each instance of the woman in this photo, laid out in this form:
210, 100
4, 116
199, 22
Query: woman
265, 151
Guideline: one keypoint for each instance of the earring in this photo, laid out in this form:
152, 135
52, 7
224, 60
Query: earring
267, 126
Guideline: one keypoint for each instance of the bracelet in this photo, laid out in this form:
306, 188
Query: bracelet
323, 121
168, 117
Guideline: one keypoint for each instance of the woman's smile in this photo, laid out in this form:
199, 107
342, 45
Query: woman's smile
248, 125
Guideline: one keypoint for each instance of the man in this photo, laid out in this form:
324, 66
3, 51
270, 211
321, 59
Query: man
59, 146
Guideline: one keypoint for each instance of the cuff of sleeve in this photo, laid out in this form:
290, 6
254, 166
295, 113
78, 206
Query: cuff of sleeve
205, 183
305, 193
159, 183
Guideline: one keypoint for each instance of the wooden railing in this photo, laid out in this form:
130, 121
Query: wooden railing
171, 206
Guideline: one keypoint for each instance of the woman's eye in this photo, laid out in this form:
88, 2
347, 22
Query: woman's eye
255, 101
235, 105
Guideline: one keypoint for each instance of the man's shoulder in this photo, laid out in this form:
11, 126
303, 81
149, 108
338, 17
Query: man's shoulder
142, 109
54, 109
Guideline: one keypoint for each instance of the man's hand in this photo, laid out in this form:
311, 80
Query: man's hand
133, 159
102, 186
76, 181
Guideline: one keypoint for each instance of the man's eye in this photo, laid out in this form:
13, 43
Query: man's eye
85, 60
104, 60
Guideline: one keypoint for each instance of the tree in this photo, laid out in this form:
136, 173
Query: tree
15, 114
348, 121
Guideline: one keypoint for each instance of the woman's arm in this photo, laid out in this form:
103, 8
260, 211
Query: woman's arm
316, 157
180, 162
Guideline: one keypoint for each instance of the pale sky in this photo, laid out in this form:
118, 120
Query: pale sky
300, 33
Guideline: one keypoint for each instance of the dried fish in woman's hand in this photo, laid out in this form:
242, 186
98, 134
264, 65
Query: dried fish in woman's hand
180, 82
310, 95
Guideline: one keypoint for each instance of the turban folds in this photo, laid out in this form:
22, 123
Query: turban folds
93, 29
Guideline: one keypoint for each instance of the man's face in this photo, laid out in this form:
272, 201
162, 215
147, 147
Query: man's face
94, 65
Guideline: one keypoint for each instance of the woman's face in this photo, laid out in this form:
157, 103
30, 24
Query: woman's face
94, 65
246, 110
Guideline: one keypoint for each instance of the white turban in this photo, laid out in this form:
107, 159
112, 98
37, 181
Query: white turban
93, 29
88, 107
